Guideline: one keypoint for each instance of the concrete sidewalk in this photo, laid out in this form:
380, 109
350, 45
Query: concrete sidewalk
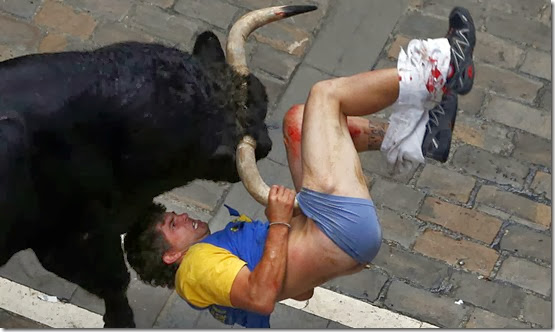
466, 243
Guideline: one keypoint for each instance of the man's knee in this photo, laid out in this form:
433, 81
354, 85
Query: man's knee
324, 89
292, 124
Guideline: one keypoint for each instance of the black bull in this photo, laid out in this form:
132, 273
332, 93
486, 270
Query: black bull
87, 139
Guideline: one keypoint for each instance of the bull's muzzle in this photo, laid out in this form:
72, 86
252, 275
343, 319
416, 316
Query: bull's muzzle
246, 161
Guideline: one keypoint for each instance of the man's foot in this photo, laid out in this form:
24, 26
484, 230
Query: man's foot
462, 38
439, 130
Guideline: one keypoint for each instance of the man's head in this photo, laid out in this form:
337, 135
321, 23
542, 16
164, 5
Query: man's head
156, 244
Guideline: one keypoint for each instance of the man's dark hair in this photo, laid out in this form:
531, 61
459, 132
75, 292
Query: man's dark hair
145, 245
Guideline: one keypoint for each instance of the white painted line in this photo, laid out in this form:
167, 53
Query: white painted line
25, 301
352, 312
345, 310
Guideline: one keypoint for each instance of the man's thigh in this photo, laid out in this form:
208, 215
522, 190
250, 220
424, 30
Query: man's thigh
330, 162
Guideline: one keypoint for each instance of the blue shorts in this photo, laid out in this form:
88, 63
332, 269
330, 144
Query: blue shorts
351, 223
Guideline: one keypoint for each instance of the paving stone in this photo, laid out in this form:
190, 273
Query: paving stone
511, 203
384, 63
25, 269
104, 9
364, 285
408, 265
284, 37
21, 8
497, 51
446, 183
367, 25
374, 162
529, 31
525, 241
89, 301
309, 21
116, 32
506, 82
546, 101
542, 184
274, 89
532, 149
177, 314
520, 116
526, 274
202, 193
78, 44
397, 228
18, 35
471, 103
146, 301
173, 203
336, 326
425, 306
53, 43
537, 63
207, 321
274, 62
286, 317
396, 196
476, 257
160, 3
422, 26
10, 53
10, 320
484, 319
296, 93
526, 9
217, 13
61, 17
395, 48
538, 311
504, 300
489, 166
161, 24
489, 136
459, 219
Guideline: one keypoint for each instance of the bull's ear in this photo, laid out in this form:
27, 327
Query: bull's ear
208, 48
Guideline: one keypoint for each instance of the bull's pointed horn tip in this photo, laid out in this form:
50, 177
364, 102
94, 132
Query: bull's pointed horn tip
291, 10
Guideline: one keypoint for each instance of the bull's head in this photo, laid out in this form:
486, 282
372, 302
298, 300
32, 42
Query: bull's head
248, 97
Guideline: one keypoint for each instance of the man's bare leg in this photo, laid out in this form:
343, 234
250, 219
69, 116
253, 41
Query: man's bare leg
330, 163
366, 135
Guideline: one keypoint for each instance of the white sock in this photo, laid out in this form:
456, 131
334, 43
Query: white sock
422, 74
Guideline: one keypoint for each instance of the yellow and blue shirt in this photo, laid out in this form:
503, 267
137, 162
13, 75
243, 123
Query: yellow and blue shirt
208, 269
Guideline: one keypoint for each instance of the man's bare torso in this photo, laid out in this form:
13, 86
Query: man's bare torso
312, 259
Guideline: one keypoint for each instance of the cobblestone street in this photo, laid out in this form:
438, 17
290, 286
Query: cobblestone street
467, 244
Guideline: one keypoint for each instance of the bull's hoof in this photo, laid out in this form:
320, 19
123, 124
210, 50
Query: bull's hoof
119, 320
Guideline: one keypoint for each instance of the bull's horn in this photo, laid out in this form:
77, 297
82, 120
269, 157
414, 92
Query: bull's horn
251, 21
246, 166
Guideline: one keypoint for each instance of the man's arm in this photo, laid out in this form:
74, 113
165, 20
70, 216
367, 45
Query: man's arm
258, 290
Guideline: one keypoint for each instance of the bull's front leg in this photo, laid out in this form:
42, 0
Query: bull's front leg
94, 261
118, 312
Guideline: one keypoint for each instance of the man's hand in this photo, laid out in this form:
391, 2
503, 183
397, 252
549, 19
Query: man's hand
258, 290
280, 204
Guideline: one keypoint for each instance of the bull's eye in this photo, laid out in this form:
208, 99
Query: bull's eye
172, 223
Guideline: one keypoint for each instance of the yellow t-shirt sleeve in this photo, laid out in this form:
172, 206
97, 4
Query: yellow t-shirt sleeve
206, 274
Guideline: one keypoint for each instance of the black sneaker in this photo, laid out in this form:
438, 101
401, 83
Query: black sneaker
462, 38
439, 130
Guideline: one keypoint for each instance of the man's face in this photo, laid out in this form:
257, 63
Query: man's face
181, 232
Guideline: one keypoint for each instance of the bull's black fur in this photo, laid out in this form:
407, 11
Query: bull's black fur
87, 139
